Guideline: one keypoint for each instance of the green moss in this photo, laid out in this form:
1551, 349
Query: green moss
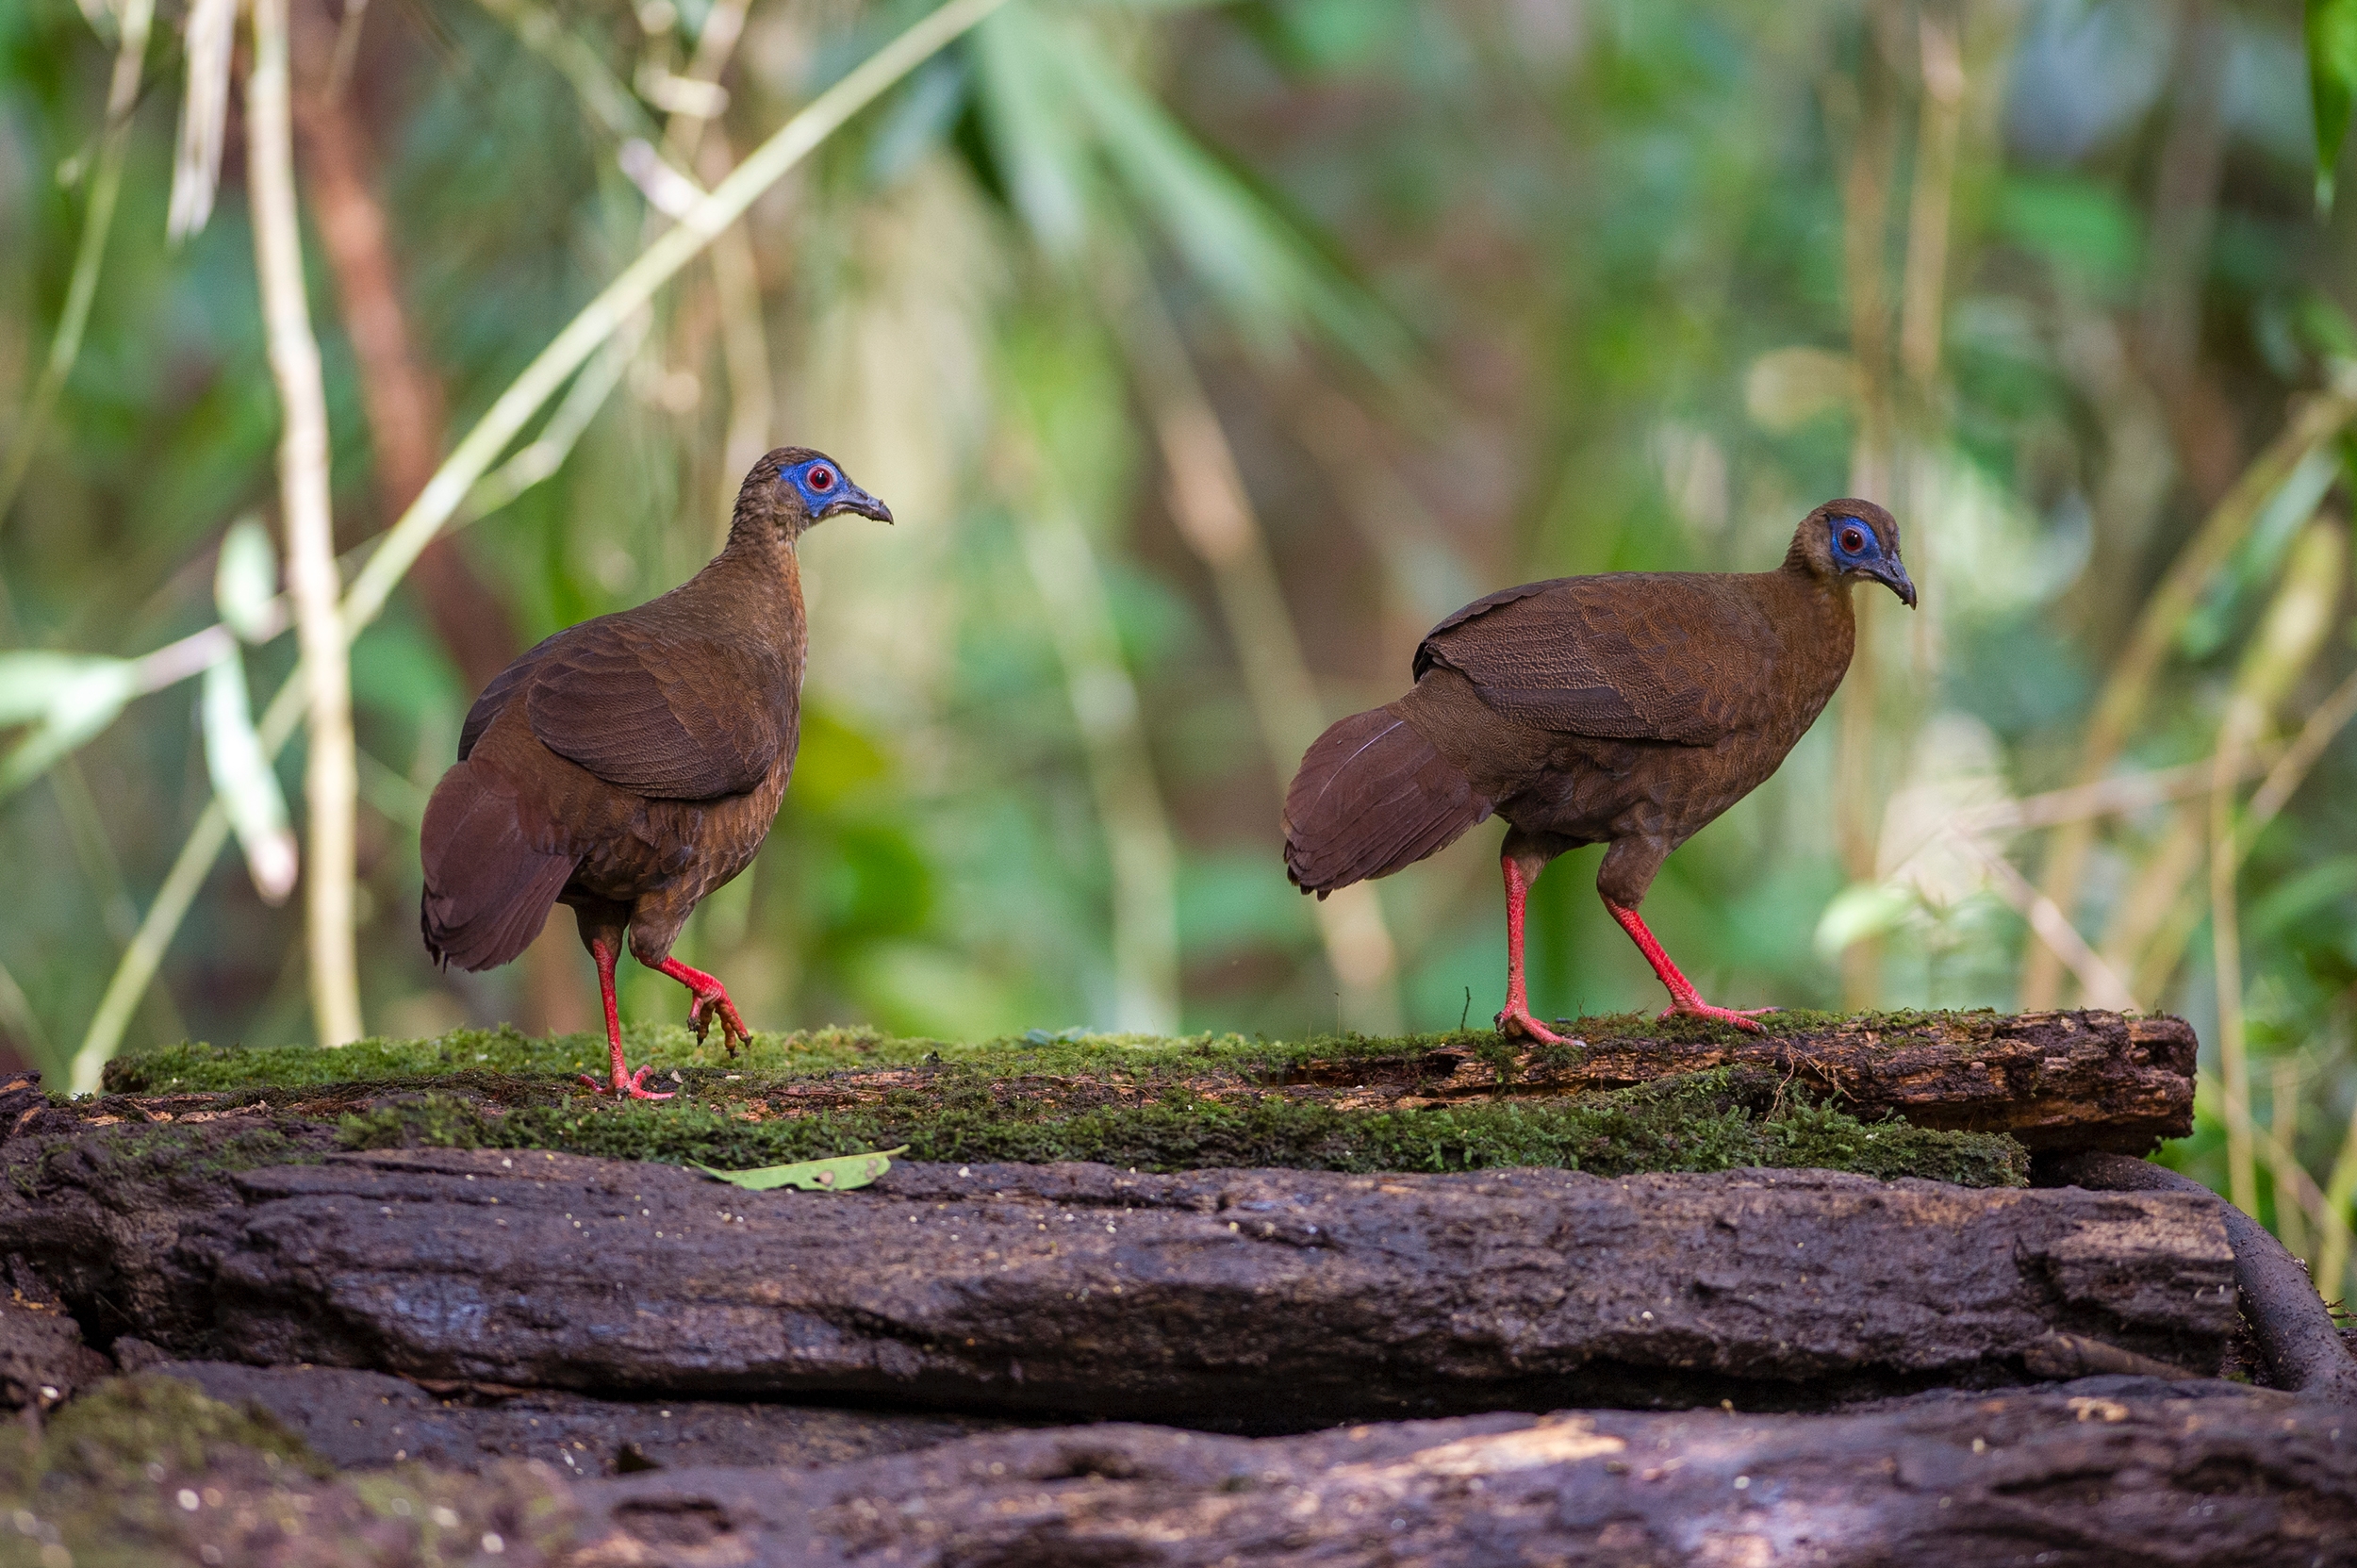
1697, 1122
192, 1164
108, 1438
505, 1054
146, 1470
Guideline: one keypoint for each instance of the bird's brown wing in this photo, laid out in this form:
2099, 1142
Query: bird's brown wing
495, 696
661, 711
1629, 656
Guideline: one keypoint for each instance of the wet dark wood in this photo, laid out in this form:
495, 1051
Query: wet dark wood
366, 1420
2114, 1471
1256, 1300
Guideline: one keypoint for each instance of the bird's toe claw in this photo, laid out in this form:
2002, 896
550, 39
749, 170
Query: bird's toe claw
1514, 1022
1741, 1018
633, 1086
637, 1088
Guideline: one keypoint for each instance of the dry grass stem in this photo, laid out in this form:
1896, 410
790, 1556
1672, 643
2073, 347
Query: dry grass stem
331, 776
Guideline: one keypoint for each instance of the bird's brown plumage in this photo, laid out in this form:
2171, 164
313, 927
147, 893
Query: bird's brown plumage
629, 765
1628, 709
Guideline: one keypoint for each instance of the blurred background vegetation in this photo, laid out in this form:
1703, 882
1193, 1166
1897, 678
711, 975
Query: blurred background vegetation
1208, 354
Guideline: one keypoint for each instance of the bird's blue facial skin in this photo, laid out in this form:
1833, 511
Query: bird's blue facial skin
822, 484
1854, 543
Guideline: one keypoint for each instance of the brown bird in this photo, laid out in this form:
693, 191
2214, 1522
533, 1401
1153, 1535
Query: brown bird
631, 764
1626, 709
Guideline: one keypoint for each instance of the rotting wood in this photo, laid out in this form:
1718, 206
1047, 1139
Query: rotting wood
1256, 1300
2077, 1080
2056, 1082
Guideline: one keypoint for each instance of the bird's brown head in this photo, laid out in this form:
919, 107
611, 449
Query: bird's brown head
793, 488
1849, 541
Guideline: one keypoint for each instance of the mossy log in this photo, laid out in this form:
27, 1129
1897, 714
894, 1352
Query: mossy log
2084, 1079
1256, 1300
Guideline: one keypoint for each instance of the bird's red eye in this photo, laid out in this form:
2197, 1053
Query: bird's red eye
1852, 540
822, 479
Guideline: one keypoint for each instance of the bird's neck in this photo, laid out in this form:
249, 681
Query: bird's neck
759, 569
1821, 605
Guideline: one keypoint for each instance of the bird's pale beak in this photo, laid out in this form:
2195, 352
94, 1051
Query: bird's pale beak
853, 499
1893, 575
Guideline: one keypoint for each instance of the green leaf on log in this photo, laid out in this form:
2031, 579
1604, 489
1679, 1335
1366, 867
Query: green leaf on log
837, 1175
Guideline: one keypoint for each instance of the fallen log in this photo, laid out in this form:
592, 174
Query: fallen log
2107, 1470
2085, 1080
1972, 1090
2119, 1471
1254, 1300
2295, 1333
357, 1419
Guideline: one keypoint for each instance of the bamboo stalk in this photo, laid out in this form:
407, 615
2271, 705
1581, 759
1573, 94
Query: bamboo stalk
454, 485
2288, 641
1923, 288
1866, 186
123, 96
330, 781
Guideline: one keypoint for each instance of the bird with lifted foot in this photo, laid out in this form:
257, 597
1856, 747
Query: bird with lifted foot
631, 764
1628, 709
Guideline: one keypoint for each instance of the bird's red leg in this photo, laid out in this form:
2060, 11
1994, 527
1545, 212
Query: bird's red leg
1515, 1019
712, 1000
1683, 997
625, 1082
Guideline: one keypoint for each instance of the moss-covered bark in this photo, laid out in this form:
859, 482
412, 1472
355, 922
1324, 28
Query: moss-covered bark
1950, 1096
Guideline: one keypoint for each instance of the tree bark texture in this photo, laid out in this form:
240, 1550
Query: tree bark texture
2086, 1079
368, 1420
2056, 1082
2098, 1473
2105, 1473
1250, 1300
2296, 1333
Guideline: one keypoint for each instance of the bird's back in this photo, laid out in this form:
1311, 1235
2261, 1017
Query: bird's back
1590, 707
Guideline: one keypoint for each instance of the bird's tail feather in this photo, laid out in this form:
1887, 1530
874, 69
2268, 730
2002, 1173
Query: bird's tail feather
1372, 796
487, 889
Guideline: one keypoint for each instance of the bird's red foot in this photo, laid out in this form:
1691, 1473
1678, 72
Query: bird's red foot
704, 1010
634, 1085
1741, 1018
1517, 1021
711, 1003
